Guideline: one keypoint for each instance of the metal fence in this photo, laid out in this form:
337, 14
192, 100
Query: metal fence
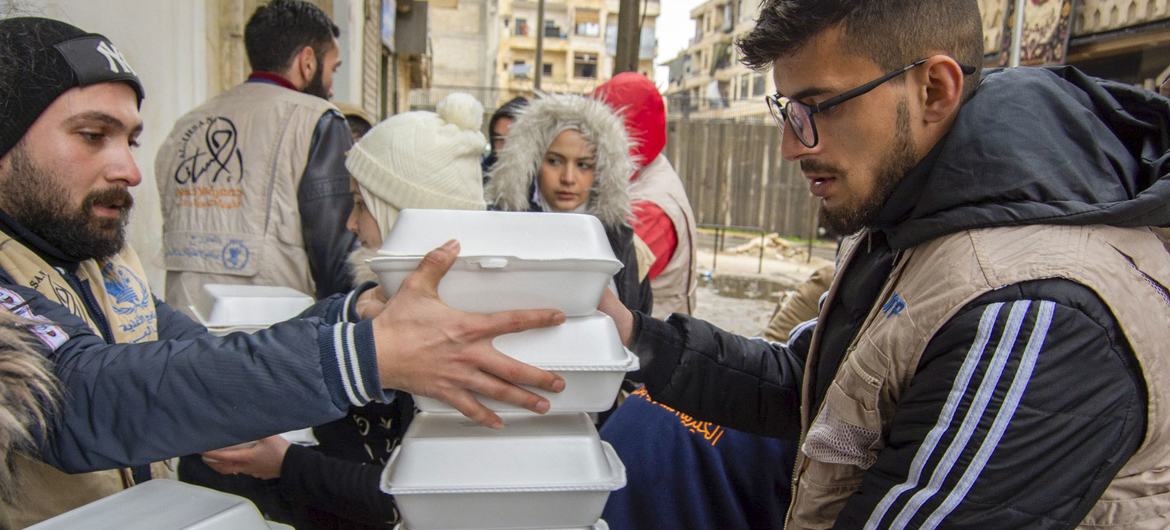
734, 175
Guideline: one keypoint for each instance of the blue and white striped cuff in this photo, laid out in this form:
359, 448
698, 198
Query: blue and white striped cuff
347, 350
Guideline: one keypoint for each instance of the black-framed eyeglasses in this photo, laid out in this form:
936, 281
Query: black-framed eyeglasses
799, 116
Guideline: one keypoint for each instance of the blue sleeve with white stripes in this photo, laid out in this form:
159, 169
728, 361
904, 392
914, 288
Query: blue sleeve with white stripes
1023, 408
132, 404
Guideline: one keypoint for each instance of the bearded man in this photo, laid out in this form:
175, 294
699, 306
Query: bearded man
140, 382
252, 183
991, 353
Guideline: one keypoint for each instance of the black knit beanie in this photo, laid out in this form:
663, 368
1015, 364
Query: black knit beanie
40, 59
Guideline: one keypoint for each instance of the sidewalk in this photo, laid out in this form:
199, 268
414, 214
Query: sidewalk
737, 295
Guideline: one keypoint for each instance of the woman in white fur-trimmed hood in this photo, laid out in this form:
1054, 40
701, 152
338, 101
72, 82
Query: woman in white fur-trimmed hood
568, 153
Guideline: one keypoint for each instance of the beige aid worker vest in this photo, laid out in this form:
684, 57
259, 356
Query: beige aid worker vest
119, 286
228, 176
674, 288
1128, 269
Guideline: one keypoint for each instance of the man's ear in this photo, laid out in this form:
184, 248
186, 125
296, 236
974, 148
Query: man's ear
306, 63
942, 88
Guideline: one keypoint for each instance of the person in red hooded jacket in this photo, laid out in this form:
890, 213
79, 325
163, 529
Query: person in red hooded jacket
664, 219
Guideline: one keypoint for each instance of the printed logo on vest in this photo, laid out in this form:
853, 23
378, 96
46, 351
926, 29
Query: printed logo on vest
894, 306
235, 255
210, 150
127, 290
48, 333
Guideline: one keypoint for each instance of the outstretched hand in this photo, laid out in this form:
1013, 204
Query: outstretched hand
427, 348
262, 459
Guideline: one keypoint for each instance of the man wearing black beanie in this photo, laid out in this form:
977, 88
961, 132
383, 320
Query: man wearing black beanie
141, 382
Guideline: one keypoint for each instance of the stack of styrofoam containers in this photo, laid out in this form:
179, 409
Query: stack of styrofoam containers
539, 471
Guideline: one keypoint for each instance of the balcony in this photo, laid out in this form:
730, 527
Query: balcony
1097, 16
1090, 17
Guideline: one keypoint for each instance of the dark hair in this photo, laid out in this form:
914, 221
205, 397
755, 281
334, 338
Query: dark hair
278, 31
893, 33
358, 125
509, 110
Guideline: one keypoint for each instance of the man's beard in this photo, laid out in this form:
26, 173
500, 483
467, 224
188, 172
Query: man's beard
35, 198
900, 158
316, 86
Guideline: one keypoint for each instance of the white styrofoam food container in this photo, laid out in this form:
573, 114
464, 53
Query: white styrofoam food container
538, 472
586, 351
599, 525
247, 307
507, 260
163, 504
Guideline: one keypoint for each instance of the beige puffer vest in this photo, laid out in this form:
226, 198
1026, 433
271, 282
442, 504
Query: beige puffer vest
228, 176
674, 288
1128, 269
119, 285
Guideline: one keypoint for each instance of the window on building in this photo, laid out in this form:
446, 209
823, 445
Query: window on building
521, 27
758, 85
553, 31
743, 87
587, 23
520, 69
547, 69
585, 65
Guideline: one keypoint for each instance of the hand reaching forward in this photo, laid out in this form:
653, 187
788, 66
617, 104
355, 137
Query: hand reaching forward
621, 315
261, 460
427, 348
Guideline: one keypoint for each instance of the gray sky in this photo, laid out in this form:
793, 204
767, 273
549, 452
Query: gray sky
675, 29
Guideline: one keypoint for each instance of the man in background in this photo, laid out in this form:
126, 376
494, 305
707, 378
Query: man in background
253, 183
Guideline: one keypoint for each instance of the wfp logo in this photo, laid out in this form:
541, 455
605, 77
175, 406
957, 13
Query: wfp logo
894, 306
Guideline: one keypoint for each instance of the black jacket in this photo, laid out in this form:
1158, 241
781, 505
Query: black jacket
1033, 146
324, 202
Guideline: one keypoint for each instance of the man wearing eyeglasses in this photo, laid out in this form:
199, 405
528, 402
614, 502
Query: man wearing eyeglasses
991, 353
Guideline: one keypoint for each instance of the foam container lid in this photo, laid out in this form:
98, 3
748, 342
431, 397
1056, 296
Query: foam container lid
523, 235
589, 343
163, 504
247, 307
448, 453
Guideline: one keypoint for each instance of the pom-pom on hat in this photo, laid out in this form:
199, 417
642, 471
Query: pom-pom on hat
425, 159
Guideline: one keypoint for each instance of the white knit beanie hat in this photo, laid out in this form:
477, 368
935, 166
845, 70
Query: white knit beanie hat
423, 159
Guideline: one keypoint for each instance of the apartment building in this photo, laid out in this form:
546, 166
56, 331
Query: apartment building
707, 81
580, 42
1122, 40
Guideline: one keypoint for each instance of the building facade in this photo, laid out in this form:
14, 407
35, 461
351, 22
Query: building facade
580, 42
707, 80
1122, 40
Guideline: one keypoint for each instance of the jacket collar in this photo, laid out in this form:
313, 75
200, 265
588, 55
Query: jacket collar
38, 245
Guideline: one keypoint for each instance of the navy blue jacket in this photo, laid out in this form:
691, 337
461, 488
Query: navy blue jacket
190, 391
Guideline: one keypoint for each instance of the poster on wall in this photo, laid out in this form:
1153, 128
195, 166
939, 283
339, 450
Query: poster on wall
1047, 26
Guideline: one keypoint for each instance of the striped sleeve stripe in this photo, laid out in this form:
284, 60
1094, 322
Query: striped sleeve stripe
354, 363
1002, 419
345, 305
974, 355
340, 349
981, 405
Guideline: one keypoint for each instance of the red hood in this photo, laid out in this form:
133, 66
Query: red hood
637, 99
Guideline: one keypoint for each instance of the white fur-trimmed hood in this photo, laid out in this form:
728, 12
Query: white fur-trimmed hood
534, 130
27, 389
